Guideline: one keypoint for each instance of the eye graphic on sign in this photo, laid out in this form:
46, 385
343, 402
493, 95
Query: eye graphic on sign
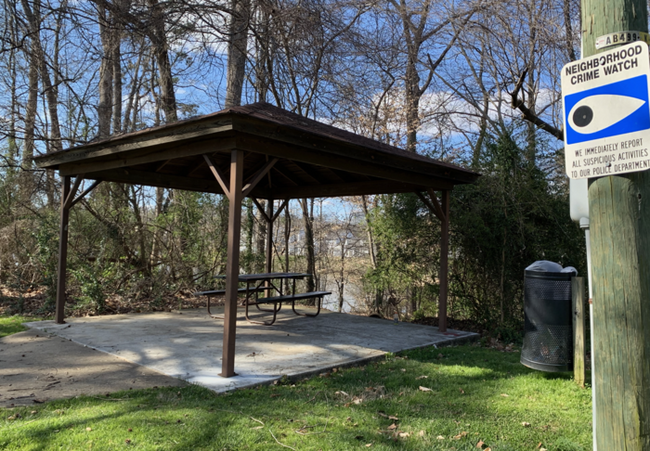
595, 113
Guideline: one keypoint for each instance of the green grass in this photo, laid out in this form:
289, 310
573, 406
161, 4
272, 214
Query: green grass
477, 394
13, 324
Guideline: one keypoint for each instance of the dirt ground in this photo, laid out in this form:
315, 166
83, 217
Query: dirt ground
36, 367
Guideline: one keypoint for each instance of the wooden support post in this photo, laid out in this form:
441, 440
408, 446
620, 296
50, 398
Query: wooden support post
578, 302
269, 235
232, 265
63, 251
619, 210
269, 244
443, 276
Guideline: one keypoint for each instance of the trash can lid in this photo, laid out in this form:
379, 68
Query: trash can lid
545, 266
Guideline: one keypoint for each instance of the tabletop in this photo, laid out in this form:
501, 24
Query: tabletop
268, 276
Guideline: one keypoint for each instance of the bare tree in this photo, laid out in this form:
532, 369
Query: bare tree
237, 50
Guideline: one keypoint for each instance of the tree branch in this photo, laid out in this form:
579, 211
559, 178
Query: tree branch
519, 104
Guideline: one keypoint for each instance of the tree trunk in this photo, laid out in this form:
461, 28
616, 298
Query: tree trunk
116, 59
13, 148
37, 59
260, 239
287, 235
105, 105
261, 68
160, 49
27, 180
237, 45
308, 221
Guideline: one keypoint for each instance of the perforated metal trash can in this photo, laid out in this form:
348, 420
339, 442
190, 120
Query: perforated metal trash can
548, 329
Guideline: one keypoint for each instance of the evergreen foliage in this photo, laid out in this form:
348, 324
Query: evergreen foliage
517, 213
513, 216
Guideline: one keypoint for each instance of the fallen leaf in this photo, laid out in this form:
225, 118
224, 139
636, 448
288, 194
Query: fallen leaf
381, 413
404, 434
392, 427
424, 388
525, 424
459, 436
421, 377
440, 437
421, 433
341, 392
480, 444
368, 445
505, 395
403, 370
89, 429
258, 427
462, 392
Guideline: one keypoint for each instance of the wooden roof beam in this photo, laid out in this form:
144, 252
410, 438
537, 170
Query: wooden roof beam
259, 176
343, 189
332, 147
280, 171
306, 175
173, 135
306, 155
149, 155
154, 179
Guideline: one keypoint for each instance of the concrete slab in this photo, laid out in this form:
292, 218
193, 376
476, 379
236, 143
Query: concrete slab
188, 344
36, 367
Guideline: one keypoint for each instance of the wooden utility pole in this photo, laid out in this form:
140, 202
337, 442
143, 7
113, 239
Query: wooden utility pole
578, 303
620, 243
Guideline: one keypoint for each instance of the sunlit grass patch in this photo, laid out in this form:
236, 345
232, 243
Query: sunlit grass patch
13, 324
462, 398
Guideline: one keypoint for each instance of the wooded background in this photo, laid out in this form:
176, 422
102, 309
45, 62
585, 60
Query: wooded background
472, 82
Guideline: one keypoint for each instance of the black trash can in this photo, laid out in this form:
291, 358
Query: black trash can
548, 329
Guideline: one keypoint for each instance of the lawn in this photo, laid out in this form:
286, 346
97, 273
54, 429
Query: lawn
12, 324
460, 398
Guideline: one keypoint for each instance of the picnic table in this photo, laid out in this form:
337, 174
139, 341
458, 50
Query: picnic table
269, 283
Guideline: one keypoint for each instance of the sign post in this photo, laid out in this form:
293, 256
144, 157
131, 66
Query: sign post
619, 210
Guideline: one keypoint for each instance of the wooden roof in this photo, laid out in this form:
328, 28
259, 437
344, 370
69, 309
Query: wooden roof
314, 159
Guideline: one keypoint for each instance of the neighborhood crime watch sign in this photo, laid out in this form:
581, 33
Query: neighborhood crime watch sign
607, 113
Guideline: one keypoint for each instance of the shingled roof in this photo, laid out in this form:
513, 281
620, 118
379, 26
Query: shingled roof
313, 159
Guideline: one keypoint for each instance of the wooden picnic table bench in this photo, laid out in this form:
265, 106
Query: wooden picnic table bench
212, 293
256, 283
278, 300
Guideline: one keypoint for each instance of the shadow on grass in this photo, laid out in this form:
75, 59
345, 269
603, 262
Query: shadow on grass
168, 418
425, 399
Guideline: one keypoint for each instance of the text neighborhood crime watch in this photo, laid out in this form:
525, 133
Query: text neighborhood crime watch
612, 63
607, 112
